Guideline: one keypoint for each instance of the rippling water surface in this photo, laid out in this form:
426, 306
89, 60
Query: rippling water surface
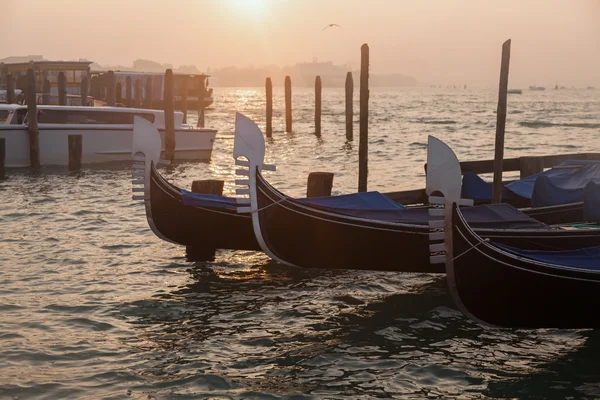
93, 305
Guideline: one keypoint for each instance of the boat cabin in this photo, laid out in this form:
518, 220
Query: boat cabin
74, 72
14, 114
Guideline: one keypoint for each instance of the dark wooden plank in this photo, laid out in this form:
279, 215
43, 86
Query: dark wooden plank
75, 151
288, 104
363, 144
349, 106
269, 94
84, 90
318, 91
319, 184
32, 125
2, 157
62, 89
128, 91
169, 116
46, 92
501, 124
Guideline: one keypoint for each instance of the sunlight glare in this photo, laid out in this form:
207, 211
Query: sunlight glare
255, 7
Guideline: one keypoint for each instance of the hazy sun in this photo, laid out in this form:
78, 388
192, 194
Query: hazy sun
251, 6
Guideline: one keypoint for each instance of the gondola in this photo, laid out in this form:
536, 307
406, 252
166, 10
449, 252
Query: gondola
213, 222
515, 288
299, 235
511, 286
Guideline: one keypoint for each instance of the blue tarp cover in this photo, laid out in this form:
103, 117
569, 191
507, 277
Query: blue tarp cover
587, 258
493, 216
557, 186
591, 202
361, 201
376, 206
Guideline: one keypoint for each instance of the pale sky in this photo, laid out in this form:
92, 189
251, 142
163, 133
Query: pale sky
436, 41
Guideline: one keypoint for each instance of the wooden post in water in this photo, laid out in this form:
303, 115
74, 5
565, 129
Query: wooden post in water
62, 89
319, 184
201, 106
530, 166
288, 104
128, 89
2, 157
363, 144
349, 106
10, 89
184, 99
501, 124
32, 126
169, 116
318, 88
118, 93
149, 92
46, 92
269, 94
138, 93
84, 90
111, 83
75, 152
210, 186
94, 87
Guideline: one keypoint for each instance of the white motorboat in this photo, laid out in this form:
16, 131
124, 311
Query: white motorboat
107, 134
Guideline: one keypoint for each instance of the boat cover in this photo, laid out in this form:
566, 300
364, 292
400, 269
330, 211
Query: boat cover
493, 216
378, 207
586, 258
359, 201
591, 202
479, 190
556, 186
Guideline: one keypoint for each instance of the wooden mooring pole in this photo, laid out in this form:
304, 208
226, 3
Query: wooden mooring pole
269, 94
10, 89
75, 151
184, 99
288, 104
46, 92
118, 93
32, 125
349, 106
530, 166
137, 102
2, 157
84, 90
319, 184
149, 92
201, 105
111, 84
169, 116
210, 186
128, 91
501, 124
363, 144
62, 89
318, 89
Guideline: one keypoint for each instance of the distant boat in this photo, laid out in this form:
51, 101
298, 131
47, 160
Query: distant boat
537, 88
514, 91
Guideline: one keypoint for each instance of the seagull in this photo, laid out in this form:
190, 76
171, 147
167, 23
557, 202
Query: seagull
330, 26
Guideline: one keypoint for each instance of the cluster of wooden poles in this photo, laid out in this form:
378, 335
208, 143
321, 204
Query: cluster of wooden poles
363, 145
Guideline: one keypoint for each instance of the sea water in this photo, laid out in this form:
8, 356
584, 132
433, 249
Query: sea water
93, 305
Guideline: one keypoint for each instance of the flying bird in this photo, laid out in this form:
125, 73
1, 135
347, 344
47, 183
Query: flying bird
330, 26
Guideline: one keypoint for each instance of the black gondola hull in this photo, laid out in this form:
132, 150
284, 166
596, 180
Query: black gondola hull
501, 289
196, 226
307, 237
